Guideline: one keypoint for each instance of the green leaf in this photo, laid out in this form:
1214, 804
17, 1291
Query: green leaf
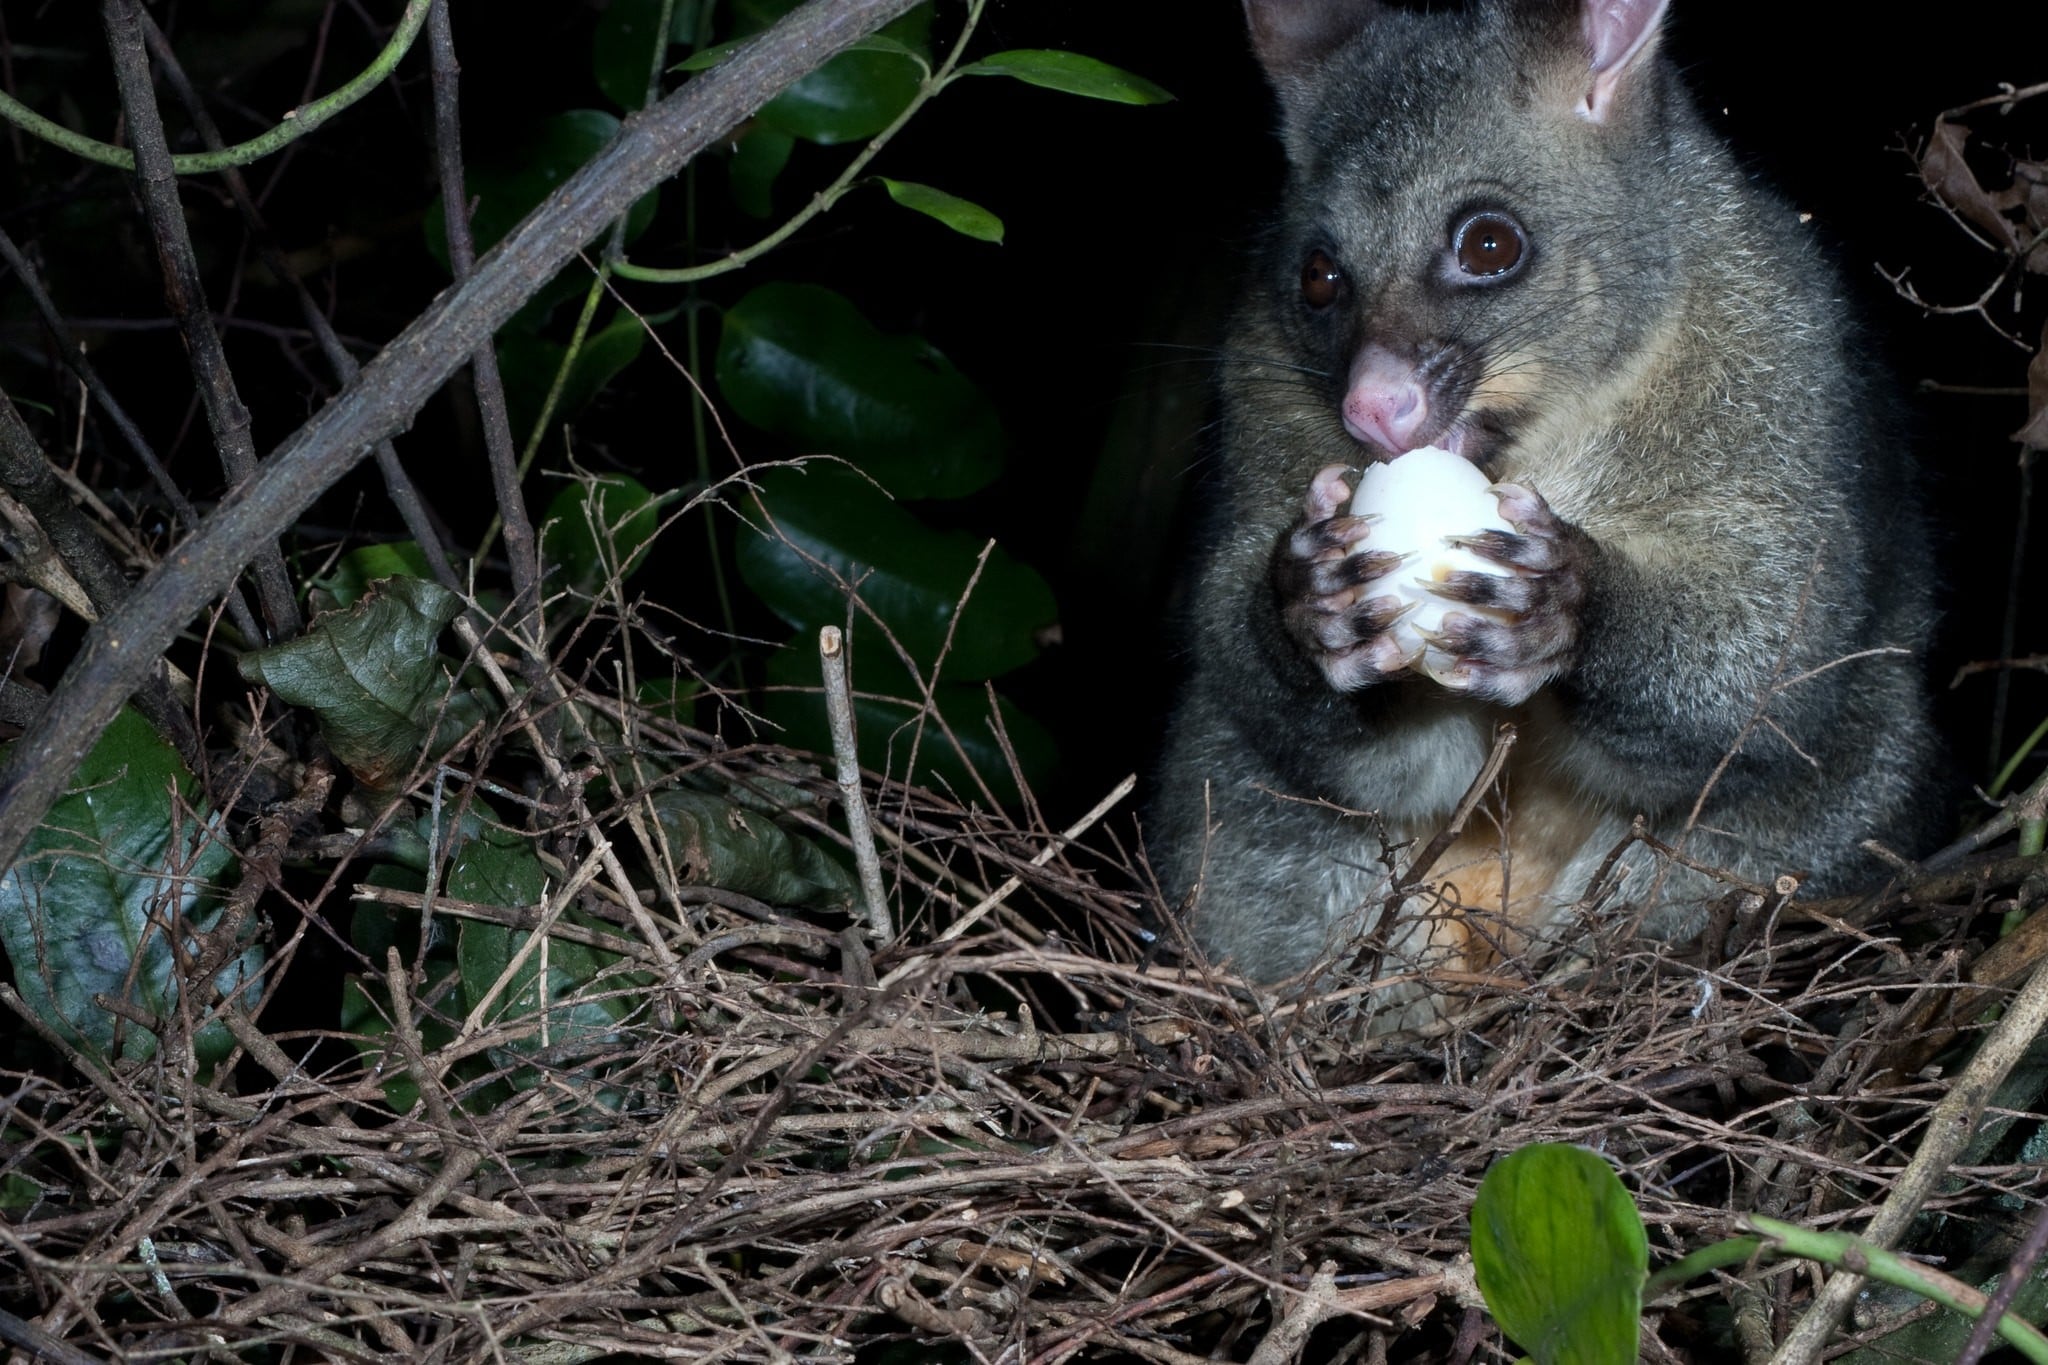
1070, 73
855, 95
499, 867
801, 362
1560, 1254
19, 1194
371, 676
600, 526
757, 161
717, 843
887, 705
704, 58
528, 362
962, 215
623, 50
355, 571
552, 151
909, 575
124, 856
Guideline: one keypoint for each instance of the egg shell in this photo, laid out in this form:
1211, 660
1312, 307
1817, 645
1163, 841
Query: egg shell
1421, 500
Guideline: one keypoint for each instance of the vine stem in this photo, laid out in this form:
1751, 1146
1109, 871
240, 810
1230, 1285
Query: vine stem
119, 652
293, 126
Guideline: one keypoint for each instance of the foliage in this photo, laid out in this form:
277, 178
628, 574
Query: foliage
109, 895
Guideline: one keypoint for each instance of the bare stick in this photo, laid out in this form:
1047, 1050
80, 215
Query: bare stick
839, 712
1949, 1129
119, 652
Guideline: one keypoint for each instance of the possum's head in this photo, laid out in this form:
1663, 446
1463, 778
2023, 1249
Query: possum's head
1477, 233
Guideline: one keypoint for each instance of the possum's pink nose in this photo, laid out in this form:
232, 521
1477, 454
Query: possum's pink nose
1386, 404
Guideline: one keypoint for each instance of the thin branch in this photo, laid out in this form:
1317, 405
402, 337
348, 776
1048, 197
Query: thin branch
156, 184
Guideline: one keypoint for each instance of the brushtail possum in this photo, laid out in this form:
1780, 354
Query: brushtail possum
1507, 233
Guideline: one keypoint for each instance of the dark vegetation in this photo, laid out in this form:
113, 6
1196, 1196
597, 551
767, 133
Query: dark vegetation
474, 973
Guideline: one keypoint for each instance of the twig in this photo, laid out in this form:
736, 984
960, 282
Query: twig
1045, 855
839, 713
522, 548
1949, 1128
118, 653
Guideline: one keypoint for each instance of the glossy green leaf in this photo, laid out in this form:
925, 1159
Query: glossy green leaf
1071, 73
529, 361
500, 868
801, 362
373, 679
964, 216
355, 571
598, 527
506, 192
756, 163
716, 842
855, 95
909, 575
85, 907
887, 708
1559, 1252
623, 49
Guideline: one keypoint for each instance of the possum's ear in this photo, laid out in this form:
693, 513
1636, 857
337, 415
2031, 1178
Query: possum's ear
1289, 35
1620, 35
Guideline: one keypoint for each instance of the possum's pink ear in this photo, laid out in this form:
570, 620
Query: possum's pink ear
1619, 37
1290, 34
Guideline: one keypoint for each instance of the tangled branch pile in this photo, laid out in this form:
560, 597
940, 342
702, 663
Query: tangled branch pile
1037, 1137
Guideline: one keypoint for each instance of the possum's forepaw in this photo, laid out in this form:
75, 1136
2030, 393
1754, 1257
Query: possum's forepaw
1530, 632
1319, 587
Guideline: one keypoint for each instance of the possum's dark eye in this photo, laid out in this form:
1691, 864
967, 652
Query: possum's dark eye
1488, 245
1321, 281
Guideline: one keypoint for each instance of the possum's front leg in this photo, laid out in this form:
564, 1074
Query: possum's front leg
1319, 589
1509, 660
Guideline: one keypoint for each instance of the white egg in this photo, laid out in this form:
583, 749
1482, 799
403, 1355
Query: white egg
1421, 500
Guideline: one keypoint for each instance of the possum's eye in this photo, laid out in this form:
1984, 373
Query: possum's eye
1321, 281
1488, 245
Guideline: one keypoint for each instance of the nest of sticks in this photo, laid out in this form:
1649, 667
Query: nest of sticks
1031, 1127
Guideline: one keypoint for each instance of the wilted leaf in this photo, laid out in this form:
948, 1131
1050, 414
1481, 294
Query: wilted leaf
1946, 171
371, 676
1070, 73
121, 861
717, 843
600, 526
964, 216
1559, 1252
2035, 432
801, 361
909, 575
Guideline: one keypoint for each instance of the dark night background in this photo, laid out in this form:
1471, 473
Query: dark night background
1126, 226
